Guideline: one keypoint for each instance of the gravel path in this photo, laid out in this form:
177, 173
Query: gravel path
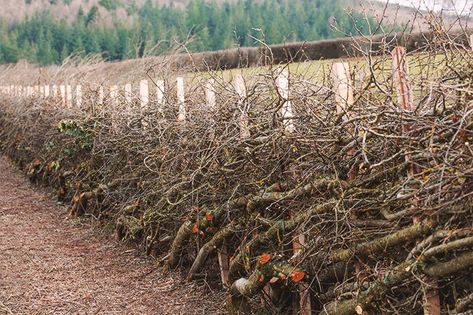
52, 264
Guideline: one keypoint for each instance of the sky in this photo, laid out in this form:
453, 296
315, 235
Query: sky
457, 7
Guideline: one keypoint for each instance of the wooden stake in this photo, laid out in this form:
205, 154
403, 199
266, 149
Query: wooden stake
128, 93
401, 79
114, 97
240, 88
224, 263
160, 95
144, 93
79, 96
210, 97
298, 243
181, 99
54, 90
100, 95
343, 87
222, 253
46, 91
62, 89
68, 95
114, 103
282, 83
406, 100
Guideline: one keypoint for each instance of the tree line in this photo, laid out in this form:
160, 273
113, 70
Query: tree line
156, 29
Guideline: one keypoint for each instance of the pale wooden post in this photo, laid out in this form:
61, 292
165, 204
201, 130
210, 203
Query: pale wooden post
343, 87
181, 101
222, 252
160, 95
68, 95
114, 96
54, 90
29, 91
36, 91
41, 91
79, 95
282, 83
406, 101
114, 103
128, 93
240, 88
62, 89
46, 91
210, 96
344, 101
100, 95
144, 93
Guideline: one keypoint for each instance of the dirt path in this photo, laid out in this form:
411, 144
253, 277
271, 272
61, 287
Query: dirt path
50, 264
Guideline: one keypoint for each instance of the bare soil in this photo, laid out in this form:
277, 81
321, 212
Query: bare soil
53, 264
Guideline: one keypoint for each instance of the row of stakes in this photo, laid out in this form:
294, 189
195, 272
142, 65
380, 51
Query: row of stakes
70, 96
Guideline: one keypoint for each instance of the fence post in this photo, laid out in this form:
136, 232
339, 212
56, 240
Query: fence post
114, 97
79, 96
222, 252
46, 91
406, 100
68, 95
210, 97
240, 88
343, 87
160, 95
114, 106
54, 90
298, 243
128, 93
181, 101
100, 95
401, 78
62, 89
282, 83
144, 94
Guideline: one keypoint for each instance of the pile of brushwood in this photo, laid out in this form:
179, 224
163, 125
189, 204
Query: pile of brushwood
362, 210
